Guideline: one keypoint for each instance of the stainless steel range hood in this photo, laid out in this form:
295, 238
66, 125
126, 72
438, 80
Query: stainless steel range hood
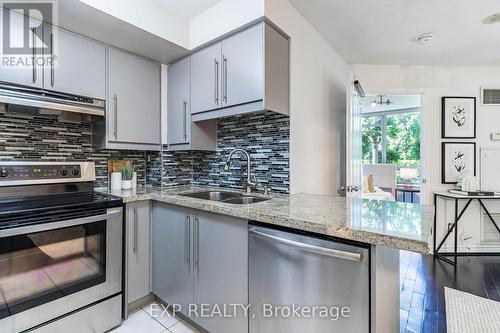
41, 99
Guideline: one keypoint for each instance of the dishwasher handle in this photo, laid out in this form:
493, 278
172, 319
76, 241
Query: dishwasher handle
310, 248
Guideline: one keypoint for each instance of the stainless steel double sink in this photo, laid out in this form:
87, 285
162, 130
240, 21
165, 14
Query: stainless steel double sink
226, 197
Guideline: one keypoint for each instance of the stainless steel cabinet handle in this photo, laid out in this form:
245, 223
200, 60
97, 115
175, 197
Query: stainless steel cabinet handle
34, 54
52, 71
310, 248
185, 119
197, 242
115, 131
135, 230
224, 68
187, 241
216, 99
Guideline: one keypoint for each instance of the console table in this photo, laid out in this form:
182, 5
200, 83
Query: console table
454, 226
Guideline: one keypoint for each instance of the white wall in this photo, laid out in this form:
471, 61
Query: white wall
319, 77
149, 16
434, 82
222, 18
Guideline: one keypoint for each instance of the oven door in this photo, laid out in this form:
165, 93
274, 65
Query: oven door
50, 269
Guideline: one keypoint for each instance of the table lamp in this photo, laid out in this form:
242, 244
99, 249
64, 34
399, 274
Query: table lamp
408, 174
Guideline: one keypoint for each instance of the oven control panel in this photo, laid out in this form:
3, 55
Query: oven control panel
35, 172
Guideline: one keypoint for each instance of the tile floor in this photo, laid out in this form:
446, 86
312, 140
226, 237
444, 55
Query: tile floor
142, 321
422, 307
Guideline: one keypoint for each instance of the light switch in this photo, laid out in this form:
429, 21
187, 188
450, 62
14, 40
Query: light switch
495, 136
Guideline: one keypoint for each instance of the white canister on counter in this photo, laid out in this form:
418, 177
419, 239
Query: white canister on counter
134, 180
116, 181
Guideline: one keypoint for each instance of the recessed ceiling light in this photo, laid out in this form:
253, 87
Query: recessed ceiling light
495, 18
425, 38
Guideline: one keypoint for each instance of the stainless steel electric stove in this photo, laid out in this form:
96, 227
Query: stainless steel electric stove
60, 249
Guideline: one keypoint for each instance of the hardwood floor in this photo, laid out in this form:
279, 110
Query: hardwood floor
422, 282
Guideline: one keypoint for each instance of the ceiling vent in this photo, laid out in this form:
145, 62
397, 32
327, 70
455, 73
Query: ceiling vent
490, 96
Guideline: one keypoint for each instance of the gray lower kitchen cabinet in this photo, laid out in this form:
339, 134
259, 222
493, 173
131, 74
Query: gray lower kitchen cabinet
221, 262
133, 103
79, 65
138, 250
201, 258
206, 67
172, 272
182, 133
22, 73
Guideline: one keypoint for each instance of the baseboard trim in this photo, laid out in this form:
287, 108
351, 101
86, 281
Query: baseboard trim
182, 316
140, 303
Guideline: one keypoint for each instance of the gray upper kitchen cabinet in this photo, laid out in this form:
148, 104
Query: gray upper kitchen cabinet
79, 65
178, 117
251, 74
172, 274
23, 73
133, 101
206, 79
182, 133
222, 268
138, 249
242, 67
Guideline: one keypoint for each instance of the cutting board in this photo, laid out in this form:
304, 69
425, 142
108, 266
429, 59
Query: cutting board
117, 166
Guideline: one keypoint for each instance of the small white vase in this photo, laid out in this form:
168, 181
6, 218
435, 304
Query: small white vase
126, 184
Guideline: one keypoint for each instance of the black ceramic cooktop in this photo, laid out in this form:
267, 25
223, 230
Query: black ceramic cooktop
46, 203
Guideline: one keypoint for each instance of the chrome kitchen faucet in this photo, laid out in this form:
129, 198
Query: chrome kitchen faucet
251, 180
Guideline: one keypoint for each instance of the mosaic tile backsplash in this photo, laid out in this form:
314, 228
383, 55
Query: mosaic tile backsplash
266, 136
34, 137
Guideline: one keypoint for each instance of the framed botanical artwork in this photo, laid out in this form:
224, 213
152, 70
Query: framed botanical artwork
458, 161
458, 117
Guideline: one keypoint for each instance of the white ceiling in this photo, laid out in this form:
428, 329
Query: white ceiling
384, 31
187, 8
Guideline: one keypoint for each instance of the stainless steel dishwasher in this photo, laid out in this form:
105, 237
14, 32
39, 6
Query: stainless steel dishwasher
299, 283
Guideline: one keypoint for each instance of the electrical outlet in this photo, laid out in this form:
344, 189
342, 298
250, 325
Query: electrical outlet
495, 136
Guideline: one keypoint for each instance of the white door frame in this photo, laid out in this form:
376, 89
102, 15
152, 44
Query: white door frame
352, 166
424, 159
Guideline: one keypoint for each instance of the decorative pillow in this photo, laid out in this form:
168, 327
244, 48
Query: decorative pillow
364, 183
370, 187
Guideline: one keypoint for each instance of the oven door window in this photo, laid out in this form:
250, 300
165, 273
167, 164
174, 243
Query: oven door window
40, 267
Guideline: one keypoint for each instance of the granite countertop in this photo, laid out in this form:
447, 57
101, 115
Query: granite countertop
403, 226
